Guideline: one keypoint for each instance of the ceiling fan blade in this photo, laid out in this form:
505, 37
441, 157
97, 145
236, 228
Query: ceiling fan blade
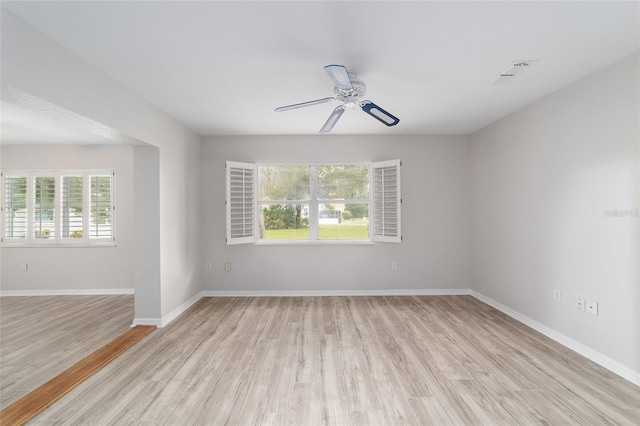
332, 120
340, 77
304, 104
379, 114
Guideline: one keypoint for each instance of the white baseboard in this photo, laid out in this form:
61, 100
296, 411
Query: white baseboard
302, 293
71, 292
156, 322
165, 320
180, 309
595, 356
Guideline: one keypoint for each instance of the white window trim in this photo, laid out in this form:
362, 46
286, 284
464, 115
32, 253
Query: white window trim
58, 240
313, 206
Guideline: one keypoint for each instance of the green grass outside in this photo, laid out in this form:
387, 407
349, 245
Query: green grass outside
326, 232
343, 232
287, 234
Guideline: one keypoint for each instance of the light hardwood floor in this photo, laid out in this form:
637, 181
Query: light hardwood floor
348, 360
42, 336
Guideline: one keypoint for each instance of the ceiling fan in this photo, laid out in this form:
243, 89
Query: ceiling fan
349, 90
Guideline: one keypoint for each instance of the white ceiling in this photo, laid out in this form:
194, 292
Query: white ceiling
222, 67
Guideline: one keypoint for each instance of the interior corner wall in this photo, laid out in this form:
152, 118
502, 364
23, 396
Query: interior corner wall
74, 268
555, 192
434, 254
35, 65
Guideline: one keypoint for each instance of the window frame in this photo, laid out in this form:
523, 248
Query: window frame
58, 239
314, 202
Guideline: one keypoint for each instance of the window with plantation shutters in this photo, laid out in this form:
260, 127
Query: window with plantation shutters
100, 205
314, 203
16, 216
386, 201
43, 223
57, 207
72, 207
240, 203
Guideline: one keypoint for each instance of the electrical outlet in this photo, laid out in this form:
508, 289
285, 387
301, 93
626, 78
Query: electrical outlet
580, 303
227, 266
394, 265
557, 295
592, 307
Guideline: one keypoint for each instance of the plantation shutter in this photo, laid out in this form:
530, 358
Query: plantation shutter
386, 201
240, 203
15, 214
43, 218
101, 206
72, 208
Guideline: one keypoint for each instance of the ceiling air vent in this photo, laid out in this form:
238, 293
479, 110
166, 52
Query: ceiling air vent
516, 68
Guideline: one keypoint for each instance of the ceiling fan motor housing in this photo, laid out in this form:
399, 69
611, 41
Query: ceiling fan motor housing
352, 96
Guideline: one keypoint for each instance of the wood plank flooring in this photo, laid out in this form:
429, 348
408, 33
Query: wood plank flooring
441, 360
41, 398
42, 336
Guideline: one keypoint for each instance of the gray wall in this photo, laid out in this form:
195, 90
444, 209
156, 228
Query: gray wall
543, 182
75, 268
435, 218
44, 77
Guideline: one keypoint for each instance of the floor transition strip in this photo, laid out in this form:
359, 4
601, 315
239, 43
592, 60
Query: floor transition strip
37, 401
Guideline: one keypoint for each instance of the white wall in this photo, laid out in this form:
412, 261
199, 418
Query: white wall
74, 268
543, 180
435, 218
34, 67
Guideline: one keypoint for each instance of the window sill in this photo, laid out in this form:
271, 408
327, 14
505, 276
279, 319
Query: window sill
314, 243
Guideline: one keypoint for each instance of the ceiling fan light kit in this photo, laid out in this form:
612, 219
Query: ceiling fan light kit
349, 90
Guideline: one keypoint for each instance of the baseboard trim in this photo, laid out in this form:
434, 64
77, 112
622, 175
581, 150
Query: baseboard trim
156, 322
303, 293
70, 292
180, 310
595, 356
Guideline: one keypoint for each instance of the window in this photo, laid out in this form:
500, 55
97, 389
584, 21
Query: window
57, 207
72, 206
313, 202
284, 202
15, 207
101, 210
